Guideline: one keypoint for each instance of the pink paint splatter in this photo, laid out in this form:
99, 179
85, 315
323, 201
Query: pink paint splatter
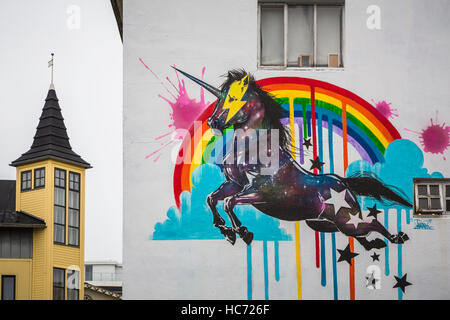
184, 110
385, 109
435, 138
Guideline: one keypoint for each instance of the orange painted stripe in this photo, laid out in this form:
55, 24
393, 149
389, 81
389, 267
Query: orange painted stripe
292, 86
350, 240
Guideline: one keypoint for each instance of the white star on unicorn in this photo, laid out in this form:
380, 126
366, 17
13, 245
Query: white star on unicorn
355, 220
338, 201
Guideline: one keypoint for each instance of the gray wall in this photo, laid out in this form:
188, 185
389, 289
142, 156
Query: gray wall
405, 63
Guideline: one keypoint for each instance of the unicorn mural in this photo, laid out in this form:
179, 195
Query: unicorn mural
282, 188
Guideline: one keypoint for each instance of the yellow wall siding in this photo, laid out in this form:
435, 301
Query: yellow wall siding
39, 203
41, 265
65, 256
46, 254
22, 269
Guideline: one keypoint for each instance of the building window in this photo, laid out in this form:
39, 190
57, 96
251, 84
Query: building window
16, 243
39, 178
26, 180
73, 285
431, 196
58, 284
74, 208
88, 272
8, 287
292, 35
60, 207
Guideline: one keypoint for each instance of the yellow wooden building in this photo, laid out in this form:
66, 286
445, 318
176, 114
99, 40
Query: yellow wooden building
42, 216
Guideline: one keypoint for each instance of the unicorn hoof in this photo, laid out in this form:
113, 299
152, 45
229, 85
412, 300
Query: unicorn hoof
399, 238
402, 237
231, 238
245, 235
248, 238
229, 234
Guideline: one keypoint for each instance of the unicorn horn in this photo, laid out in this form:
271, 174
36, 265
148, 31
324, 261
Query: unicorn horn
208, 87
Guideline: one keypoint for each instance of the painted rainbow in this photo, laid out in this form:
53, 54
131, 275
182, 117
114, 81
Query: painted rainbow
360, 124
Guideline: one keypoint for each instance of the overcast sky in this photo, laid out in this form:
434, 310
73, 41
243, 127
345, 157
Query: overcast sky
88, 79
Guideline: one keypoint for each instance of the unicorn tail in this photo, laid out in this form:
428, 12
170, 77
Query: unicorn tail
372, 187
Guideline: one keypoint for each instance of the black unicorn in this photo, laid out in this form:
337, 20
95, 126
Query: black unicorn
327, 202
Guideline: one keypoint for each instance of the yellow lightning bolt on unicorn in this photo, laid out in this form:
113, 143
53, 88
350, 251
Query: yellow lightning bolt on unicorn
234, 101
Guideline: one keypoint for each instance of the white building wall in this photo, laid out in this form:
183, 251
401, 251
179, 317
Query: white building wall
405, 63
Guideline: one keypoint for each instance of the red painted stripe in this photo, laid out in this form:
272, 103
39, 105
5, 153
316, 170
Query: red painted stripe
314, 138
350, 239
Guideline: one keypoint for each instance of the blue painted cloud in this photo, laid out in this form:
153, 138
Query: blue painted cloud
403, 162
194, 219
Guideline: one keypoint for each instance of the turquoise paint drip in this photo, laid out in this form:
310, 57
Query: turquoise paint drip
335, 284
333, 236
266, 271
323, 264
399, 252
386, 249
276, 246
323, 274
408, 216
249, 272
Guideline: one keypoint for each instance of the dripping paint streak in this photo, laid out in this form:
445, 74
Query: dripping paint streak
277, 260
333, 236
323, 273
314, 138
300, 133
399, 252
386, 249
249, 272
266, 271
297, 224
350, 239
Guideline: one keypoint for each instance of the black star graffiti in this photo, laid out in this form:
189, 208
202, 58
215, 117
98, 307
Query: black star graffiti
375, 256
347, 255
373, 211
402, 283
316, 164
371, 281
307, 143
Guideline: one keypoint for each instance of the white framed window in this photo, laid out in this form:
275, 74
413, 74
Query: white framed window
432, 196
302, 34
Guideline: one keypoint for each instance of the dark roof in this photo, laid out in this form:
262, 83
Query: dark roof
117, 6
51, 140
19, 219
8, 195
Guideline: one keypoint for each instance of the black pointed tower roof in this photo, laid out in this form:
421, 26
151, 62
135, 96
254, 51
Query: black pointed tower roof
51, 140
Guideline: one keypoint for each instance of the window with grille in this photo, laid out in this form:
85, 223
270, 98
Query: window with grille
60, 207
307, 34
431, 196
26, 179
74, 209
39, 178
59, 284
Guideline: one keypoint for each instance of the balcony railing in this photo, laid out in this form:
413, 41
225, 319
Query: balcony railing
103, 276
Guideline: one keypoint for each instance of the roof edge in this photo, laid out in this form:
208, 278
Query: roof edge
16, 163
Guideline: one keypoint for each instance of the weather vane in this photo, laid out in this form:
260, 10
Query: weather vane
50, 64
